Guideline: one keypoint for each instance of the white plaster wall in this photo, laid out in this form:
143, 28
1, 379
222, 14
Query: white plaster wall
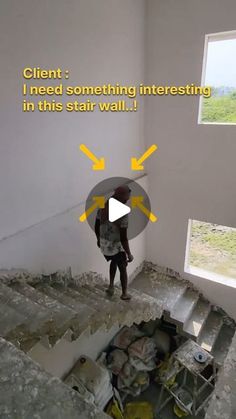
193, 174
62, 241
59, 360
42, 172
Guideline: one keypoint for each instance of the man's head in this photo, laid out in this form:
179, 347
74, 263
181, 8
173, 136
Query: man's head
122, 193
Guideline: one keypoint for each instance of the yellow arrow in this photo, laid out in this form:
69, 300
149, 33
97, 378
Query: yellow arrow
137, 201
136, 164
99, 203
99, 164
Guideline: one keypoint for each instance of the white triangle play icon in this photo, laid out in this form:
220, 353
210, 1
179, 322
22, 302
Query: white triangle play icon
116, 209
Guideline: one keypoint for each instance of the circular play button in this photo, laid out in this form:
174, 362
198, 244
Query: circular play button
116, 209
119, 197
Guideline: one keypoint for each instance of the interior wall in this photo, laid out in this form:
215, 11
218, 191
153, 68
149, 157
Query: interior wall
193, 174
44, 179
59, 360
61, 242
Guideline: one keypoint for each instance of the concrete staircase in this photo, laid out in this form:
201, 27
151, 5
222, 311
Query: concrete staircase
50, 309
45, 312
194, 316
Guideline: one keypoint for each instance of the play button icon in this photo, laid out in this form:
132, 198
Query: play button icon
116, 210
138, 206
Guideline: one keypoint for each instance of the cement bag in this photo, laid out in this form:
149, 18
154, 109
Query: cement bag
103, 397
142, 379
126, 336
140, 384
116, 360
95, 378
102, 361
138, 410
142, 354
139, 365
126, 376
162, 341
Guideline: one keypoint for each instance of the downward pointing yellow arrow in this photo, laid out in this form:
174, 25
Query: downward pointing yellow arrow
99, 203
99, 164
137, 201
136, 164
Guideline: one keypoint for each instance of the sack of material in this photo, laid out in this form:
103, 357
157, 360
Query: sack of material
95, 379
116, 360
140, 365
142, 354
126, 336
140, 384
126, 376
131, 381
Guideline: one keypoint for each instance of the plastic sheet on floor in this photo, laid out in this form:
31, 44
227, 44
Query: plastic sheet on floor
114, 410
139, 410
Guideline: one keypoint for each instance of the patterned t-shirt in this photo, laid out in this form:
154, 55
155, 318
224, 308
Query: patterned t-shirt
110, 243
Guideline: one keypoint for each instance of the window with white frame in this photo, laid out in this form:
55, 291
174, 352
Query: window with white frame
211, 251
219, 72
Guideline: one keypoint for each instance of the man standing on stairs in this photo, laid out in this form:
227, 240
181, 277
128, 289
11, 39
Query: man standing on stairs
113, 242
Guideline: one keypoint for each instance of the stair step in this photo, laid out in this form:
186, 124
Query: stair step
98, 293
99, 316
50, 321
142, 306
124, 313
106, 304
35, 314
164, 289
36, 322
84, 312
65, 318
95, 297
222, 344
210, 331
79, 295
9, 319
184, 307
121, 312
148, 300
58, 293
115, 300
194, 325
59, 312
